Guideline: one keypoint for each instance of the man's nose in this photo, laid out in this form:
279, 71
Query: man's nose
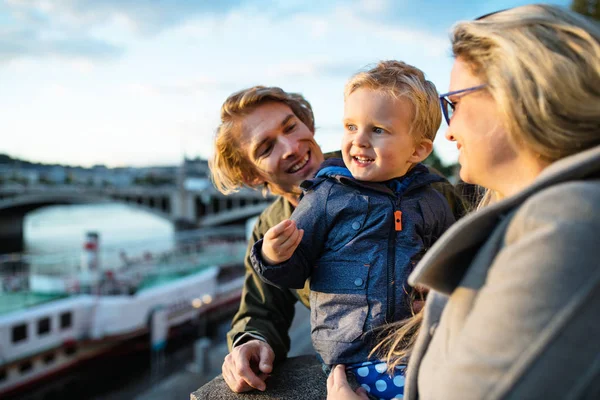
450, 135
290, 146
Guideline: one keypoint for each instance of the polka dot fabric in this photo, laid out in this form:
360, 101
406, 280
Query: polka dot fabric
373, 376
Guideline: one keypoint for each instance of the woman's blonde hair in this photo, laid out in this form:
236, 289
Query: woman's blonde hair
397, 339
399, 79
229, 166
541, 64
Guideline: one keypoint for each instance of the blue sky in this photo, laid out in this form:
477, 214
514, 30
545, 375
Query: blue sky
133, 82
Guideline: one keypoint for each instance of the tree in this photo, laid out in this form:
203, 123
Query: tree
434, 161
589, 8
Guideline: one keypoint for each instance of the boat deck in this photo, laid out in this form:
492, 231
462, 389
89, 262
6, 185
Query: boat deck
10, 302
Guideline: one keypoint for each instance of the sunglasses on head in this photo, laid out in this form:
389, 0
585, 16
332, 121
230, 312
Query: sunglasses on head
491, 13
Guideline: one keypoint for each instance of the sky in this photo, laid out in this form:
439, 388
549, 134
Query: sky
141, 82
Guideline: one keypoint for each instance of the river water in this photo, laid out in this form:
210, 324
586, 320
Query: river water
62, 230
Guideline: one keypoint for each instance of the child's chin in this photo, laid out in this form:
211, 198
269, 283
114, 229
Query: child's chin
360, 175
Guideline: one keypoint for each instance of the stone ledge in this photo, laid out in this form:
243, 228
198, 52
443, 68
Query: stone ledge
295, 378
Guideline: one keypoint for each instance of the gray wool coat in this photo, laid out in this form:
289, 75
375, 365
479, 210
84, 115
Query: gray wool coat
514, 307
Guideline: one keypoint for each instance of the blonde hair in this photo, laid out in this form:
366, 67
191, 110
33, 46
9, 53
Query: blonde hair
229, 166
541, 64
402, 80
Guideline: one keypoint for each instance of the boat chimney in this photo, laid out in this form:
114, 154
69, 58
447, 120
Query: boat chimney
89, 259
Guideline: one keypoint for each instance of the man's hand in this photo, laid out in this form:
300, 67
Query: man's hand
248, 366
280, 242
338, 387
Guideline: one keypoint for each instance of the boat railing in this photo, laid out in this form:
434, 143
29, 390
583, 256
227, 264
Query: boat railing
125, 268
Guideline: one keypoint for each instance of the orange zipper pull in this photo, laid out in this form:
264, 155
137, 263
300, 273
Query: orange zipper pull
398, 220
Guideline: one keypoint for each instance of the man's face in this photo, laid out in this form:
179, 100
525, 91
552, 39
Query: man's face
281, 147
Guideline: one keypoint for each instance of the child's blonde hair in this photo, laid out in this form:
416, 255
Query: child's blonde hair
399, 79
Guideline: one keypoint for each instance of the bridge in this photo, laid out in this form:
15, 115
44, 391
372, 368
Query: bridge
187, 208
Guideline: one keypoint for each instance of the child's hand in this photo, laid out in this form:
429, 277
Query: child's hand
280, 242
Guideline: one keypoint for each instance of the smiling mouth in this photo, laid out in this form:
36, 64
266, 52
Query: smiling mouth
299, 165
362, 160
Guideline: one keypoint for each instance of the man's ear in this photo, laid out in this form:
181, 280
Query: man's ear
252, 180
422, 150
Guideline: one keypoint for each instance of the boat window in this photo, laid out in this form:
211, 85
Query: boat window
2, 374
70, 350
48, 358
65, 320
19, 333
43, 325
25, 366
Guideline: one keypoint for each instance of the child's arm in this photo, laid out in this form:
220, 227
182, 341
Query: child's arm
298, 248
280, 242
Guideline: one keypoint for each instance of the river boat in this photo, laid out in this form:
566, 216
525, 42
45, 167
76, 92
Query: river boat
55, 313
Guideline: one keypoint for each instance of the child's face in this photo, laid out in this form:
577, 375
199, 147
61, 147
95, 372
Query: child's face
377, 145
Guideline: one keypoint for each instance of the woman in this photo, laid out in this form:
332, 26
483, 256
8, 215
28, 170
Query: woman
515, 287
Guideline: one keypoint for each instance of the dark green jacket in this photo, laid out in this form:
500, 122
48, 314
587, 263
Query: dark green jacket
267, 310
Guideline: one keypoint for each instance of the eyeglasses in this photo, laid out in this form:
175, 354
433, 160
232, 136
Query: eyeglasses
448, 105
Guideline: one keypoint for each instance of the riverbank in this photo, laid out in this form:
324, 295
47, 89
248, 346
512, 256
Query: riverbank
181, 384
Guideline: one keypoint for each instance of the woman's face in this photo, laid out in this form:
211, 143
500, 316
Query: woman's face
281, 147
485, 151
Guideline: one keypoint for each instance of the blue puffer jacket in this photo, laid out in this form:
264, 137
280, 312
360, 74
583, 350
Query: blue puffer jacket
357, 261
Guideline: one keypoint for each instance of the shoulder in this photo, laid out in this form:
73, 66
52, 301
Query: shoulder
575, 204
316, 193
433, 200
452, 196
558, 226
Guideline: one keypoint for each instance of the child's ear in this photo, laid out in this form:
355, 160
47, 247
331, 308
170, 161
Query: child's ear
423, 149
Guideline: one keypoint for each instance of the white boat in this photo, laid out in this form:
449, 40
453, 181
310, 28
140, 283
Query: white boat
68, 315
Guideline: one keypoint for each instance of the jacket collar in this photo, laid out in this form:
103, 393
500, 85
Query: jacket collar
439, 268
418, 176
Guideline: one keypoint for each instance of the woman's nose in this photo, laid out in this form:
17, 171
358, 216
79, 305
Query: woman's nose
449, 135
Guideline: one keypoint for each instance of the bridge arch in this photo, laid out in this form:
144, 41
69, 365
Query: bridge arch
186, 209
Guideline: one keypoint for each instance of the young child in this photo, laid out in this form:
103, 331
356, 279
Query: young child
364, 222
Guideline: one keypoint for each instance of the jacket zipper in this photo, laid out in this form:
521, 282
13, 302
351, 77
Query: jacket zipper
396, 227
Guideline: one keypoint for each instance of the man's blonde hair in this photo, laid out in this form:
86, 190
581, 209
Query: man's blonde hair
399, 79
229, 166
542, 66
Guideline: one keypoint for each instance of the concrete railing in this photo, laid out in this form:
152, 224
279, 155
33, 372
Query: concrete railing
295, 378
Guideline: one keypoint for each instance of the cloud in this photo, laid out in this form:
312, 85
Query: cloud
192, 86
65, 29
18, 43
145, 16
103, 30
